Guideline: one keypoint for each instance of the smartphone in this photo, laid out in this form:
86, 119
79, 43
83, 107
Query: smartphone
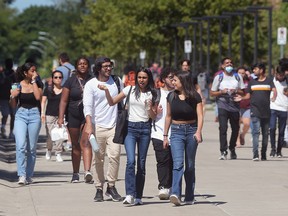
196, 139
15, 86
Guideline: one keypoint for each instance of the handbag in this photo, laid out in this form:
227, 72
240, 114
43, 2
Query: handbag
121, 128
59, 133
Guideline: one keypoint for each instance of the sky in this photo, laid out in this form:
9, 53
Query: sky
23, 4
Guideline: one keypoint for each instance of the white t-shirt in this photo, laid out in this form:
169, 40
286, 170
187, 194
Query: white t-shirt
281, 102
136, 107
96, 104
158, 131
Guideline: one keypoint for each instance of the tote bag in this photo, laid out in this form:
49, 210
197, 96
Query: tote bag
121, 128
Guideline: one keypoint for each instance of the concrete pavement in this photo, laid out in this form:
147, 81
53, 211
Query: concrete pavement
232, 187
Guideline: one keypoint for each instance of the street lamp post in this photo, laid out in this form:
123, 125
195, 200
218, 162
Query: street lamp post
269, 9
241, 33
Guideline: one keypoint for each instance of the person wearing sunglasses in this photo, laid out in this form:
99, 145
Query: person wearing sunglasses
49, 113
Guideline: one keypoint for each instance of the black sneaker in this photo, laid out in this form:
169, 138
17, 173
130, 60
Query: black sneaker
233, 155
223, 155
113, 194
99, 195
272, 153
263, 157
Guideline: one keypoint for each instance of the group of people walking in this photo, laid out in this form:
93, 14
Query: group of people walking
170, 116
89, 105
241, 97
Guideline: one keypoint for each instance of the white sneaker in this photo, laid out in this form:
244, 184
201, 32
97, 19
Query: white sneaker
59, 158
129, 200
138, 202
68, 147
189, 202
22, 180
48, 155
88, 177
164, 193
175, 200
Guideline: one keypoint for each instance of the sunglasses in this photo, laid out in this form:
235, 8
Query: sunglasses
57, 77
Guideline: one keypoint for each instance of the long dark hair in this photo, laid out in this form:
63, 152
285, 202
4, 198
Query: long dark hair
20, 72
149, 87
187, 84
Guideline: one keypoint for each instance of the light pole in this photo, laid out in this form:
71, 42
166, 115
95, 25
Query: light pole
241, 33
269, 9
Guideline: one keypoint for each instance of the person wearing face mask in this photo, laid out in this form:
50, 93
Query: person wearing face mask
226, 85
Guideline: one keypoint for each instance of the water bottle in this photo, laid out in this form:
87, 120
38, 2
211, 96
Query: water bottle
93, 143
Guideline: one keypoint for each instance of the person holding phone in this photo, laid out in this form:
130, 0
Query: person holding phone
27, 124
184, 117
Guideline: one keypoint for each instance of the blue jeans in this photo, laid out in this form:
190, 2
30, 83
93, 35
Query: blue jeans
26, 130
138, 134
258, 123
183, 147
282, 117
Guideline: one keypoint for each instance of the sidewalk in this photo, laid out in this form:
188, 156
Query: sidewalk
233, 187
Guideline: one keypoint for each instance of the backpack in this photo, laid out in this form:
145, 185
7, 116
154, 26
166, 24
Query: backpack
130, 79
70, 71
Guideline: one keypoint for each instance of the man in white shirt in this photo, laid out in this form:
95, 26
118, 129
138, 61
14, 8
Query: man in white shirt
102, 116
163, 156
279, 109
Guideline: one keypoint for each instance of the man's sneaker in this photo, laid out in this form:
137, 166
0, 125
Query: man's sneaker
263, 157
233, 155
99, 195
223, 156
279, 155
138, 201
88, 177
255, 158
22, 180
113, 194
29, 180
129, 200
59, 158
164, 193
189, 202
75, 178
175, 200
48, 155
272, 153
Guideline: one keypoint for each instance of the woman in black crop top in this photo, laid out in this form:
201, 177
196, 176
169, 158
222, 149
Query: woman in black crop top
185, 119
27, 120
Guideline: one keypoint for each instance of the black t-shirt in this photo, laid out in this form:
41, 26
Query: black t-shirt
183, 110
75, 103
53, 101
260, 97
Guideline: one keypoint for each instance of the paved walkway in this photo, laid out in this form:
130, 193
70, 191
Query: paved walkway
233, 187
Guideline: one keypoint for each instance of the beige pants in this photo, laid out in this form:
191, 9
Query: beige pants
104, 138
58, 145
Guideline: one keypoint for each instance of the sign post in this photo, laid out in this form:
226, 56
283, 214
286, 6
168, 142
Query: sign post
188, 48
282, 39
